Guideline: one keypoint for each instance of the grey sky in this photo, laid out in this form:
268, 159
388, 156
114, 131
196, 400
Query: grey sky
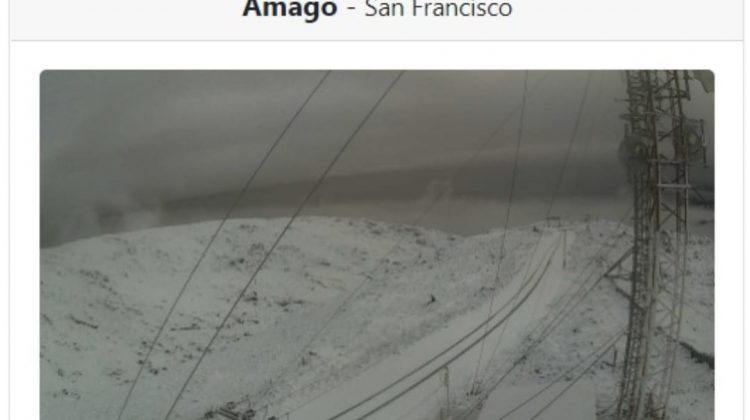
123, 141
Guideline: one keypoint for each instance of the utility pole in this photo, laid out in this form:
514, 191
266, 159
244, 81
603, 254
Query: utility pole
447, 383
660, 144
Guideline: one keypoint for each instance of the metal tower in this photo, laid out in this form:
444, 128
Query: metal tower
659, 145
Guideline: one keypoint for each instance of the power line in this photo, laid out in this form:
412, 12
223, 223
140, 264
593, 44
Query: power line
553, 198
452, 346
459, 354
563, 169
213, 237
552, 201
436, 370
514, 172
592, 128
435, 357
443, 352
573, 137
507, 219
557, 320
602, 350
549, 210
426, 210
278, 239
577, 378
566, 309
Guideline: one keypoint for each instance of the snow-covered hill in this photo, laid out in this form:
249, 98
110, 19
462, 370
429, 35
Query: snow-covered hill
102, 300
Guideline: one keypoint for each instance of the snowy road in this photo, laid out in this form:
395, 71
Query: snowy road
521, 304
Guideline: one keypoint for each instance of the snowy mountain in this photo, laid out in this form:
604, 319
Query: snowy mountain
387, 294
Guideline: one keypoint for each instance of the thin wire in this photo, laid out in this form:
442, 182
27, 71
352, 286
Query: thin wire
494, 386
556, 320
552, 201
416, 221
446, 350
216, 232
574, 381
566, 309
561, 175
278, 239
592, 128
573, 137
457, 355
507, 220
514, 172
603, 349
559, 319
563, 169
523, 356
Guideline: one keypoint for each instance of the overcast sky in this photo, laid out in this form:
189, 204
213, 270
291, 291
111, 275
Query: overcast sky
121, 140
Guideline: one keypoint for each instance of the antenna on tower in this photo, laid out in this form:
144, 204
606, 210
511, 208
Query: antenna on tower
660, 145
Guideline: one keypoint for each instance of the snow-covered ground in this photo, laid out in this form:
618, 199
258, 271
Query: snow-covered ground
102, 300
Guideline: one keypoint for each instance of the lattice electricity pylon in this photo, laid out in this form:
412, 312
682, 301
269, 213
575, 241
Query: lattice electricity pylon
659, 145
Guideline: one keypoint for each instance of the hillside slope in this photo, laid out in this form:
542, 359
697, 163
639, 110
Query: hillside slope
102, 300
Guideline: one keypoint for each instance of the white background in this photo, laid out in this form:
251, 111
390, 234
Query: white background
28, 59
531, 19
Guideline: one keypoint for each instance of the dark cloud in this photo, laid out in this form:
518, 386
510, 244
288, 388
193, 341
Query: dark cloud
136, 142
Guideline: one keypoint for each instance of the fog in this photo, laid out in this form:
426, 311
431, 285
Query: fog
123, 150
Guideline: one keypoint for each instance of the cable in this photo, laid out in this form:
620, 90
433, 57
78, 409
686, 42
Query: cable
514, 172
608, 344
443, 352
578, 378
565, 163
453, 358
570, 144
278, 239
416, 221
507, 219
566, 309
592, 128
216, 232
564, 166
556, 190
552, 202
501, 379
452, 346
557, 319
